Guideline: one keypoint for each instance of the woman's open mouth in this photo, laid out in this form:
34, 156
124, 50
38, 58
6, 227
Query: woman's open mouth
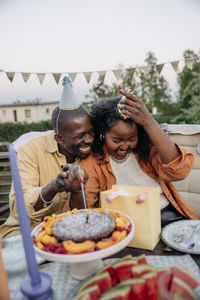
121, 154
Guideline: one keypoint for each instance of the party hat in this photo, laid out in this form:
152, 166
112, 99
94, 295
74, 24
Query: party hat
68, 99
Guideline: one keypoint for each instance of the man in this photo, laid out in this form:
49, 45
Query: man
48, 165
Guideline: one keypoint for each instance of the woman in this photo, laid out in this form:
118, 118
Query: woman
130, 148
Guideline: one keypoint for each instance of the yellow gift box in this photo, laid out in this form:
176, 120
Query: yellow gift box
146, 215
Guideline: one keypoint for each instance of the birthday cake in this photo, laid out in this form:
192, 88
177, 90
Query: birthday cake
84, 226
77, 232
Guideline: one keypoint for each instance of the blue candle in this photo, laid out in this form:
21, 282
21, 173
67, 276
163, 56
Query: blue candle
40, 280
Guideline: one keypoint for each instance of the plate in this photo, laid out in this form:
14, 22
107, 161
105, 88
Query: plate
90, 256
177, 232
14, 255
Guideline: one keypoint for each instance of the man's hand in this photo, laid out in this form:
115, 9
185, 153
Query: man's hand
70, 178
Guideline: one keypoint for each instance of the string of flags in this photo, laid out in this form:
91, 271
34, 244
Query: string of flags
117, 72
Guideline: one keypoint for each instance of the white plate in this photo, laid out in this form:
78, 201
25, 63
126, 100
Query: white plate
86, 257
14, 255
177, 232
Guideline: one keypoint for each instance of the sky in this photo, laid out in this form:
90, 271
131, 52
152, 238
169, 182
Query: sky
64, 36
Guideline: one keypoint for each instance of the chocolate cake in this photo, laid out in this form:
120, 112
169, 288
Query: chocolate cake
83, 226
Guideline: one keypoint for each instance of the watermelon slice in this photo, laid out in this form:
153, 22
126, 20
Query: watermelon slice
183, 288
123, 269
151, 287
108, 268
93, 292
103, 280
139, 270
141, 259
117, 293
86, 297
186, 276
164, 278
137, 288
126, 257
178, 296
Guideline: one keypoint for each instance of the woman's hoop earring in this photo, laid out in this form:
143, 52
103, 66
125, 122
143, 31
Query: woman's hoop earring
102, 137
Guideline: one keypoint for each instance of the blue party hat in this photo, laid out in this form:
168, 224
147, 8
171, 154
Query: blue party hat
68, 99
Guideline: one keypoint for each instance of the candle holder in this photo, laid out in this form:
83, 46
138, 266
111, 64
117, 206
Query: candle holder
37, 285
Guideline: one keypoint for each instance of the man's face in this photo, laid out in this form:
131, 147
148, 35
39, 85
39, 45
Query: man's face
78, 136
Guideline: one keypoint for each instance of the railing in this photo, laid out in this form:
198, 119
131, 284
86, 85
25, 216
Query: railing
5, 184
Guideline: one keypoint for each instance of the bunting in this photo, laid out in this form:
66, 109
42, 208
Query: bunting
117, 73
102, 75
175, 65
159, 68
88, 76
10, 75
41, 77
26, 76
131, 72
56, 76
189, 62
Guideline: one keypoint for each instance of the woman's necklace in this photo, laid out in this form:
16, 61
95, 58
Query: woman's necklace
119, 161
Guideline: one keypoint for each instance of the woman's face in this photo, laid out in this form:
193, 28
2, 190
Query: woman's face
121, 139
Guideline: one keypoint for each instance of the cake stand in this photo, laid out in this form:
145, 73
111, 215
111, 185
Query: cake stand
86, 264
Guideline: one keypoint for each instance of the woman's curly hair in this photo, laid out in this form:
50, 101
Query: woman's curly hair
104, 115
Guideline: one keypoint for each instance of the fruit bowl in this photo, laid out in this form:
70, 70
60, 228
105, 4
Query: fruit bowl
84, 264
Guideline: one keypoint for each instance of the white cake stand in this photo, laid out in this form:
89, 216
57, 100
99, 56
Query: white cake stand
86, 264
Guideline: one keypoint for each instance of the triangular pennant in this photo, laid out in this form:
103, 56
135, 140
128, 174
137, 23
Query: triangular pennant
131, 72
25, 76
72, 76
56, 77
10, 75
41, 77
175, 65
102, 75
88, 76
159, 68
117, 73
189, 63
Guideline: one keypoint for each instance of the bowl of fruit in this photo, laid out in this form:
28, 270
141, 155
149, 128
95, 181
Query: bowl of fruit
134, 278
82, 238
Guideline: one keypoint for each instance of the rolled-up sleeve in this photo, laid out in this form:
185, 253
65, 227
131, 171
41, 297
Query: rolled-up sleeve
178, 169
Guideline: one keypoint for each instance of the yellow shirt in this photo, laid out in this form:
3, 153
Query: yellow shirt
39, 163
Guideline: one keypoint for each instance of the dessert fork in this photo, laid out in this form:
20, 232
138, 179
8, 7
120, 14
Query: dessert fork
190, 242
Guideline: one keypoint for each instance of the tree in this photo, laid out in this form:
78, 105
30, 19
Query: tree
147, 84
189, 91
154, 91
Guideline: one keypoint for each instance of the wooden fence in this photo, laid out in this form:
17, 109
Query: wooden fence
5, 184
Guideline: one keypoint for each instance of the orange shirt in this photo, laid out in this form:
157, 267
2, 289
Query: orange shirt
101, 177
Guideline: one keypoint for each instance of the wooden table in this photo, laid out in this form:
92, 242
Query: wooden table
160, 249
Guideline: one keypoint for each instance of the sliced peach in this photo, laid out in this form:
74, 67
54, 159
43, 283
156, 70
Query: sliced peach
47, 239
73, 247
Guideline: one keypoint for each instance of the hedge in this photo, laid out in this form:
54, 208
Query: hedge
9, 132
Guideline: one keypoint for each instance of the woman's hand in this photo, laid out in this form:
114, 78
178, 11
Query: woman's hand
132, 107
135, 109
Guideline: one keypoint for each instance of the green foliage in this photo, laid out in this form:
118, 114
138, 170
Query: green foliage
153, 88
9, 132
189, 92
